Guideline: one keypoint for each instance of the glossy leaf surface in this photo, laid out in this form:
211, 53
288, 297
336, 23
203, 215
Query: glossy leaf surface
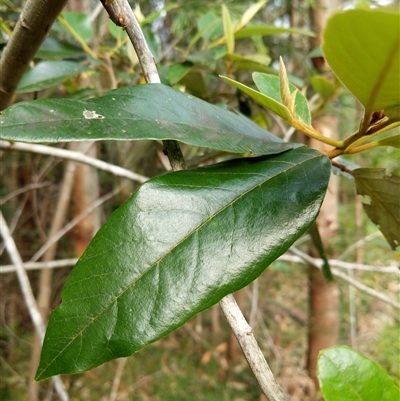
363, 49
346, 375
182, 242
47, 74
139, 112
380, 191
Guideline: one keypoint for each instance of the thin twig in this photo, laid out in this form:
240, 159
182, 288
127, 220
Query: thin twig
340, 264
362, 287
54, 264
74, 156
28, 295
244, 334
73, 223
24, 189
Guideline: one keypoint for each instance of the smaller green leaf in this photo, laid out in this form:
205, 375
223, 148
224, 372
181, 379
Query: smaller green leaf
250, 13
391, 141
55, 49
228, 29
177, 71
47, 74
269, 86
265, 30
250, 58
116, 31
156, 14
345, 374
207, 57
380, 191
81, 24
269, 102
209, 26
322, 86
393, 113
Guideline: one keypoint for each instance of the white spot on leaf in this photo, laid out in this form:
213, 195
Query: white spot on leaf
91, 115
366, 199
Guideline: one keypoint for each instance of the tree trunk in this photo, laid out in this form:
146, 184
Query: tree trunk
323, 296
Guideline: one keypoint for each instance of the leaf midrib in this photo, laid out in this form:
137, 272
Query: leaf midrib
154, 264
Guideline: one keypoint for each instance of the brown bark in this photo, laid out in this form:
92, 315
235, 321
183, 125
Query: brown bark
323, 296
46, 275
86, 191
31, 29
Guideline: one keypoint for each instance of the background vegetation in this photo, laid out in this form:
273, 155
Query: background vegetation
198, 360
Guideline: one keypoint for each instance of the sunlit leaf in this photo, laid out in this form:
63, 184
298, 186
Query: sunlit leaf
325, 88
182, 242
265, 30
139, 112
345, 374
46, 74
269, 86
80, 23
269, 102
250, 13
228, 29
390, 141
363, 49
380, 193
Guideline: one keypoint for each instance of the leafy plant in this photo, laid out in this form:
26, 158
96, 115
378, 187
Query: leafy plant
347, 374
186, 239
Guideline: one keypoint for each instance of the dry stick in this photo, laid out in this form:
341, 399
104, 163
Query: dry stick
28, 295
54, 264
74, 156
285, 258
46, 276
54, 238
24, 189
121, 13
345, 277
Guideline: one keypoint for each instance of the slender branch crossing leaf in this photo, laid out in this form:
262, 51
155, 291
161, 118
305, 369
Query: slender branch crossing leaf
139, 112
182, 242
381, 200
346, 374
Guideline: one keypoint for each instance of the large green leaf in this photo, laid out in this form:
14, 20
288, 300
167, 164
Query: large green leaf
346, 374
182, 242
139, 112
363, 49
381, 200
47, 74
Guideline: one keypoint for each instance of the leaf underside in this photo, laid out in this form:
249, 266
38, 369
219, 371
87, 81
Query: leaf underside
362, 47
152, 111
182, 242
381, 200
